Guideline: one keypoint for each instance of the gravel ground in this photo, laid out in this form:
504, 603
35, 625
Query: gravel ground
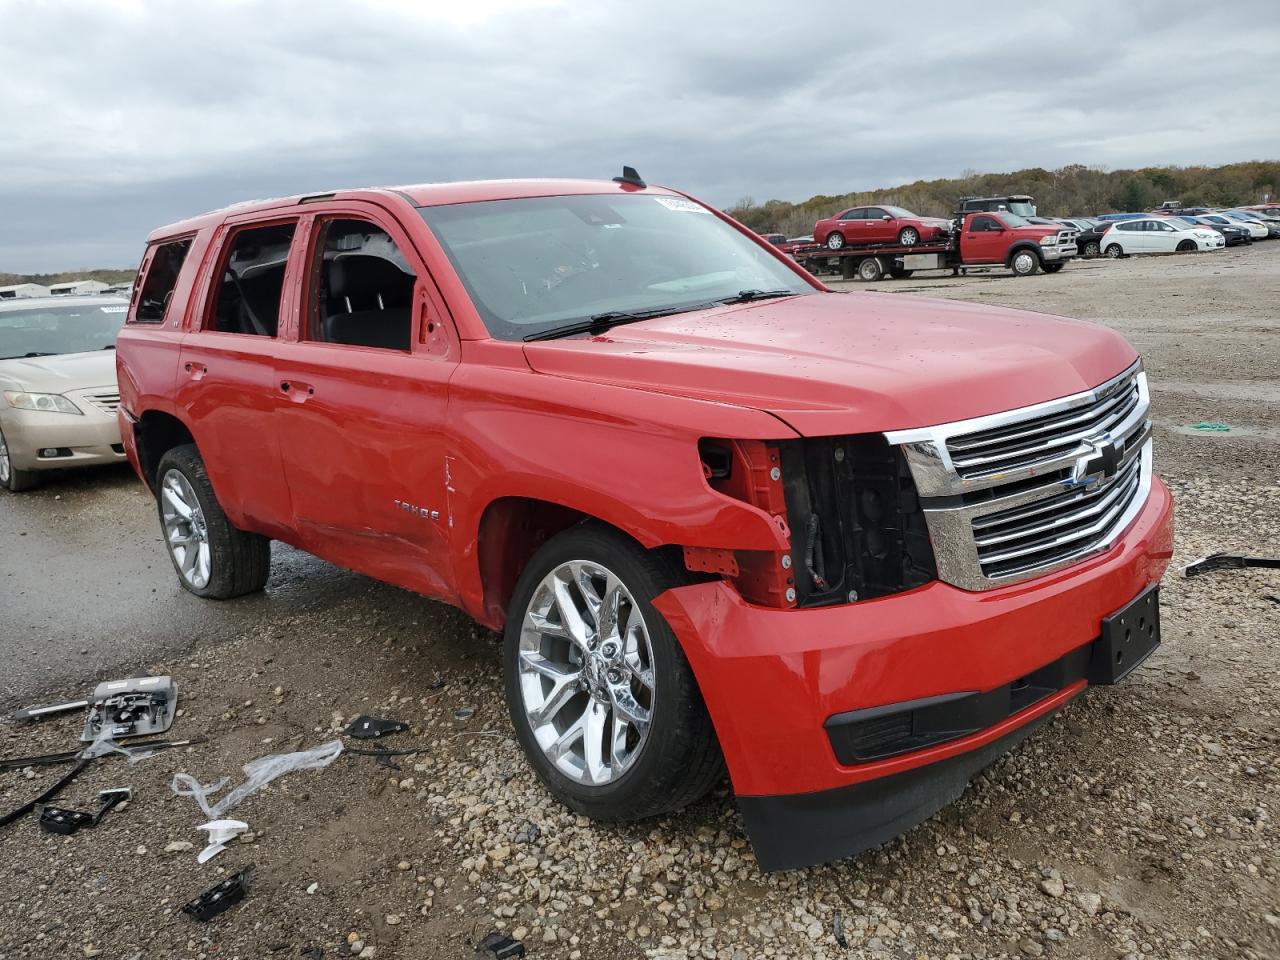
1140, 823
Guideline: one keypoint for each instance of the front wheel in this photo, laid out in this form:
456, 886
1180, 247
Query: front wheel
1024, 263
212, 557
835, 241
1186, 246
909, 236
11, 478
1114, 251
603, 701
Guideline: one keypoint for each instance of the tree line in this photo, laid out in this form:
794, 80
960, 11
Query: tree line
48, 279
1075, 190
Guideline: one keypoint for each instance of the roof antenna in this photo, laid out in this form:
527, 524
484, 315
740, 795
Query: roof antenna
629, 176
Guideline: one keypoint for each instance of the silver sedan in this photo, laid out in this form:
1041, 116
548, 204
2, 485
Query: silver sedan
58, 393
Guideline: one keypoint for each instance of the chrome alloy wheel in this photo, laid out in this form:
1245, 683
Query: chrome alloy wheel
5, 467
586, 672
1024, 263
184, 529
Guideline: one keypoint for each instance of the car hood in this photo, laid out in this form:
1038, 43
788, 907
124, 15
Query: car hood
68, 371
834, 363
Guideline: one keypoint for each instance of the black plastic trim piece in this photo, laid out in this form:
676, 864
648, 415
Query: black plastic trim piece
874, 733
798, 830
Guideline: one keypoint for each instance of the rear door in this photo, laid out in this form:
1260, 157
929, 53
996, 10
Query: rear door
226, 373
361, 388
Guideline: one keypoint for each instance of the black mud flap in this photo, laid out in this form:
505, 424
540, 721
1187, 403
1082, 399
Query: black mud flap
1128, 637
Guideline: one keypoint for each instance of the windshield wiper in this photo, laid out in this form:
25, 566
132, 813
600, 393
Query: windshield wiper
610, 318
746, 296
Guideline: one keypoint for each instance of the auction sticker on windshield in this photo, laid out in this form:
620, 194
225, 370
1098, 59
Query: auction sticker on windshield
681, 204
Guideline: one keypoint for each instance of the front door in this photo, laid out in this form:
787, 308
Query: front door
983, 241
878, 229
226, 373
362, 387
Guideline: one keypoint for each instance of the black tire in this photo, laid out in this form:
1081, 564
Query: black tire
1053, 267
1114, 251
239, 562
1024, 262
1092, 249
1186, 246
908, 236
870, 270
898, 273
11, 478
834, 241
680, 760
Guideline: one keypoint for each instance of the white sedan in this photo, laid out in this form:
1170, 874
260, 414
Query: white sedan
1158, 235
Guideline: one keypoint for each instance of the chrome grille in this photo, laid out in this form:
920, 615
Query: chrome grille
106, 402
1015, 495
1042, 439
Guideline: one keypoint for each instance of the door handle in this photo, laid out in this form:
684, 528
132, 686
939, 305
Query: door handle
196, 370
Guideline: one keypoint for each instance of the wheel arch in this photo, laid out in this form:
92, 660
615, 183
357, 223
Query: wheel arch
1020, 245
155, 433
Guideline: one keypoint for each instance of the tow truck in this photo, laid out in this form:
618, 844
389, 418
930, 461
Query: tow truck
982, 239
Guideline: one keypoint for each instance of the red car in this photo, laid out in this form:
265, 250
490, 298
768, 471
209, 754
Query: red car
850, 548
863, 225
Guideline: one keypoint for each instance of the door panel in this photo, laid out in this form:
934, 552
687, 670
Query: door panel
980, 245
362, 425
226, 382
878, 230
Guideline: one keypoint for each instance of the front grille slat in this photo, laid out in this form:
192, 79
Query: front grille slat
1003, 456
106, 402
1031, 491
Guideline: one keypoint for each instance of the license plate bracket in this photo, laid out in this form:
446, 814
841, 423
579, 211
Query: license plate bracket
1128, 637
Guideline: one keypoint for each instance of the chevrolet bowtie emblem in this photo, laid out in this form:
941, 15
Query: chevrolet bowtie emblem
1100, 461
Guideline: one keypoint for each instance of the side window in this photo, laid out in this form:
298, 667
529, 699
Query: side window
361, 288
873, 213
161, 278
857, 213
1166, 227
981, 225
1128, 225
252, 279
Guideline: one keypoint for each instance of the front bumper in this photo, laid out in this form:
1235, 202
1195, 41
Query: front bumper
81, 441
1217, 243
1054, 253
772, 678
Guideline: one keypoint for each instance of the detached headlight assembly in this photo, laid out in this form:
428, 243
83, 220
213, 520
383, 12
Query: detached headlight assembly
43, 402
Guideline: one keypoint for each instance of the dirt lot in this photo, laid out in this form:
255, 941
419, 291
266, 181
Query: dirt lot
1140, 824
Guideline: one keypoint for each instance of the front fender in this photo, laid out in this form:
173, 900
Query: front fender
627, 458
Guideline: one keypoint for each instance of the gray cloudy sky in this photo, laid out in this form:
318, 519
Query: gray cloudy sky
118, 116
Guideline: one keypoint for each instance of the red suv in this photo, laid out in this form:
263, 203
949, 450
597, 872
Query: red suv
862, 225
850, 547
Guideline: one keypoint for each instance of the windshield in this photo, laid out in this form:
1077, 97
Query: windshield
53, 328
899, 213
1012, 219
1021, 208
535, 263
1189, 222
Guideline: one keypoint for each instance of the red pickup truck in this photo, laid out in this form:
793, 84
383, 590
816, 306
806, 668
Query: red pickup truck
851, 547
981, 239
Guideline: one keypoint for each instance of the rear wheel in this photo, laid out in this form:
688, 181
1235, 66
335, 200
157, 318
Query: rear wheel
870, 269
603, 701
908, 236
1114, 251
835, 241
1092, 249
1053, 267
900, 273
11, 478
1186, 246
212, 557
1024, 263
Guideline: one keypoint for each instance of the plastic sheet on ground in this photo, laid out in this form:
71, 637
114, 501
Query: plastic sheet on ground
258, 773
